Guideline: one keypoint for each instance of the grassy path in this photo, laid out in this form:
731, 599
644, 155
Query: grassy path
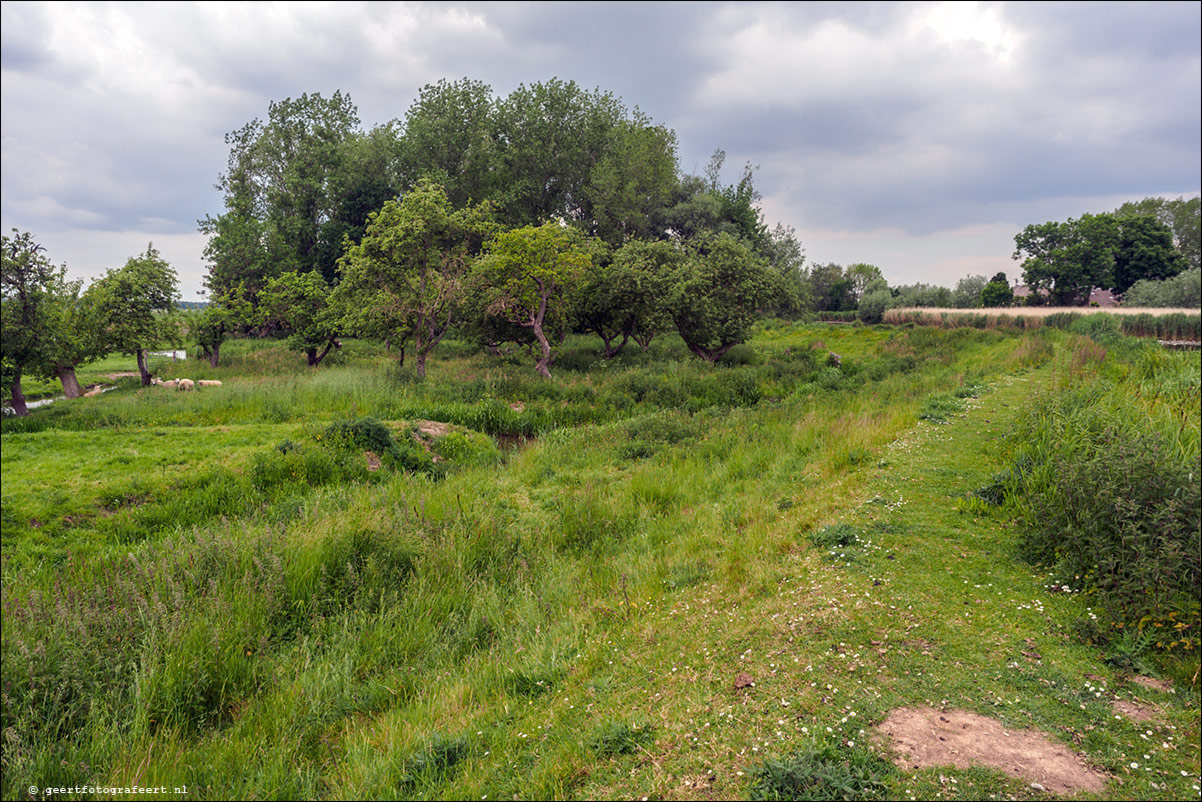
927, 607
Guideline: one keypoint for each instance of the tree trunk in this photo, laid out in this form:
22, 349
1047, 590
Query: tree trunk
66, 375
214, 352
421, 364
544, 362
315, 358
142, 367
19, 407
710, 356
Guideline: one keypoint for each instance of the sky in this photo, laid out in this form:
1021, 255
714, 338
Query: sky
918, 137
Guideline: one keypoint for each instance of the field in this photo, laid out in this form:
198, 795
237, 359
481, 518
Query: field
645, 578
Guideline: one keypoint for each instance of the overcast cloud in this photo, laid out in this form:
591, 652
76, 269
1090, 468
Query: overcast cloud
918, 137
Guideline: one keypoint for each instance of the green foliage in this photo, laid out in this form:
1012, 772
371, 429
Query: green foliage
1108, 496
997, 292
717, 295
1183, 290
822, 771
406, 276
529, 273
1069, 259
1183, 216
1145, 252
299, 304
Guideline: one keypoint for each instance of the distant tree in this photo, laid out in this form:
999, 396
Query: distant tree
529, 272
718, 293
876, 299
787, 260
967, 294
27, 284
131, 303
922, 295
287, 180
411, 265
1183, 291
299, 305
1183, 216
830, 288
211, 325
1145, 252
551, 135
861, 277
997, 292
1069, 259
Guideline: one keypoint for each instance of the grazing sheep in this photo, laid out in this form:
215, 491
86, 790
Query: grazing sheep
186, 384
160, 383
95, 391
208, 383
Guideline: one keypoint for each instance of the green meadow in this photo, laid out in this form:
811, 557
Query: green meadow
647, 577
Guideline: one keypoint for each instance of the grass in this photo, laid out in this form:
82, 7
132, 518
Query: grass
631, 605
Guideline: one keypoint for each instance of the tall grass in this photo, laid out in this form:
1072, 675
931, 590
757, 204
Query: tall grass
1106, 485
1178, 324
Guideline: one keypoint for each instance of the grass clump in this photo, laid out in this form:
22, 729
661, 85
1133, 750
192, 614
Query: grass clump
432, 762
620, 738
821, 771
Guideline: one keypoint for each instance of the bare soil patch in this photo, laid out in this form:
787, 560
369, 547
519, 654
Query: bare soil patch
1152, 684
432, 428
924, 736
1133, 710
122, 375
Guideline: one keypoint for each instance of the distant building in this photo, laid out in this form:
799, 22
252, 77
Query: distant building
1023, 291
1102, 297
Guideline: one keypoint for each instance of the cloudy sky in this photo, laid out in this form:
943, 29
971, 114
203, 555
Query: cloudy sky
918, 137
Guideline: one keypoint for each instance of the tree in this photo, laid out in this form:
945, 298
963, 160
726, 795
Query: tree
450, 138
830, 288
299, 304
997, 292
529, 272
551, 135
27, 282
718, 293
862, 276
74, 335
1183, 291
874, 301
130, 303
631, 185
1145, 252
412, 262
1183, 216
286, 180
626, 297
210, 327
787, 260
1069, 259
967, 294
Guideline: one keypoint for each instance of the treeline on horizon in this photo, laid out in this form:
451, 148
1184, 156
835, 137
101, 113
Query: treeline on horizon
512, 221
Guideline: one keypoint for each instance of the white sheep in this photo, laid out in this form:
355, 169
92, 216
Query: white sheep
208, 383
160, 383
95, 391
186, 384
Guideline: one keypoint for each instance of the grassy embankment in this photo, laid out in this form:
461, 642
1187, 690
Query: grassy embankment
223, 599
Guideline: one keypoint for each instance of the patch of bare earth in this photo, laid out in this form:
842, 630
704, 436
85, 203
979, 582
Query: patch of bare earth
1153, 684
432, 428
1132, 710
924, 737
122, 375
